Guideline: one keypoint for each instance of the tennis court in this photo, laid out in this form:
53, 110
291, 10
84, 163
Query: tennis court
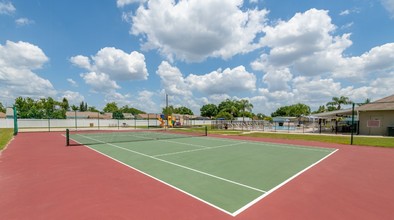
230, 175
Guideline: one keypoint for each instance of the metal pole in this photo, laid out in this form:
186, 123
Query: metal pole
166, 115
352, 126
98, 120
75, 119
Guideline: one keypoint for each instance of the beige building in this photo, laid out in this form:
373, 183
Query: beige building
377, 118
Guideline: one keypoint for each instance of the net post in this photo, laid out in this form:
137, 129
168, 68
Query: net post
67, 137
352, 127
206, 131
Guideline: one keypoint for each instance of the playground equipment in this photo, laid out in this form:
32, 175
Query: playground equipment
171, 121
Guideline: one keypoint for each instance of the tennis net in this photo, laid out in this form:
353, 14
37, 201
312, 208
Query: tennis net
90, 137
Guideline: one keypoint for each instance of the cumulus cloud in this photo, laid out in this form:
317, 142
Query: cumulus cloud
122, 3
99, 81
172, 80
23, 21
72, 82
227, 81
213, 28
306, 45
110, 65
74, 98
6, 8
389, 5
18, 60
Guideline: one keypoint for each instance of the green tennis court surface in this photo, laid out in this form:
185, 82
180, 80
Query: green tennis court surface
229, 175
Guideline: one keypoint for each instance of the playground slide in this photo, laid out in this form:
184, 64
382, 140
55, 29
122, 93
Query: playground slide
161, 122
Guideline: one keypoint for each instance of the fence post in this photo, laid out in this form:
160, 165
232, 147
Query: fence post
352, 127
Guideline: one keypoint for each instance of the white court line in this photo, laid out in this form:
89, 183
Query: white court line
188, 144
161, 181
271, 144
206, 148
184, 167
280, 185
265, 193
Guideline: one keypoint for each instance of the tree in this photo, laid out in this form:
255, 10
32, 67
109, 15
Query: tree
338, 101
292, 110
245, 105
74, 108
2, 108
64, 104
261, 116
43, 108
134, 111
168, 110
183, 111
368, 100
224, 115
321, 109
111, 107
230, 106
92, 109
209, 110
83, 106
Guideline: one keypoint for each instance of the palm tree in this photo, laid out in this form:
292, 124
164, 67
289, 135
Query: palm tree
245, 105
339, 101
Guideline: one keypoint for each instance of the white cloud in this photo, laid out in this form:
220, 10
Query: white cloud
115, 63
23, 21
389, 5
345, 12
303, 35
213, 28
72, 82
74, 98
22, 55
122, 3
217, 82
227, 81
81, 61
100, 82
120, 65
6, 8
110, 65
17, 62
172, 80
278, 79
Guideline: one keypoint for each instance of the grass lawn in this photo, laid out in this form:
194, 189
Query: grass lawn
6, 135
338, 139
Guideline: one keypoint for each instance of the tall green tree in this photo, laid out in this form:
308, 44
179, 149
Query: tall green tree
209, 110
168, 110
111, 107
83, 106
134, 111
183, 111
367, 101
230, 106
292, 111
245, 105
2, 108
337, 102
64, 104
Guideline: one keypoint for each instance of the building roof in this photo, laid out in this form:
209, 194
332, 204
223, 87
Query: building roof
150, 116
334, 114
89, 115
384, 104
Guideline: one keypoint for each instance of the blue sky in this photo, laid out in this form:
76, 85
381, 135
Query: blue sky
133, 52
